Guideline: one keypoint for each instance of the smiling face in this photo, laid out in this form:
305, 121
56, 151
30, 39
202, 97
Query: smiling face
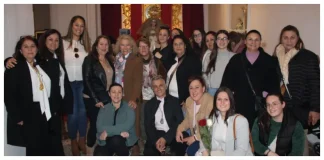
52, 42
289, 40
222, 41
197, 36
163, 36
223, 102
196, 90
28, 50
125, 46
143, 49
253, 42
103, 46
210, 40
159, 88
116, 94
77, 28
274, 106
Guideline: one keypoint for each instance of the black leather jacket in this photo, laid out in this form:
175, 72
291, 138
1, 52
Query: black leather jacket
94, 79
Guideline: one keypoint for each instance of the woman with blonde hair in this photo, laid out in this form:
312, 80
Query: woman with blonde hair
128, 66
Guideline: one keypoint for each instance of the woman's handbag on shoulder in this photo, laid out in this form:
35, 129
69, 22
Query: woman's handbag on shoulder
234, 133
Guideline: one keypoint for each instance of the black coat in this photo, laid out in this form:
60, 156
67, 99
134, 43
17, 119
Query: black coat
173, 115
263, 76
190, 66
304, 85
168, 56
52, 69
94, 79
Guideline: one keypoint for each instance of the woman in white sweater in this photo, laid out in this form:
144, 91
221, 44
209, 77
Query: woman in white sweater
223, 114
215, 61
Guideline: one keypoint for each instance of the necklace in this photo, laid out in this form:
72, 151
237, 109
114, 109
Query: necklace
41, 85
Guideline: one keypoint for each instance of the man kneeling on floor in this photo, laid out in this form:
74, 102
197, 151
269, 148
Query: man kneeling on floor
162, 115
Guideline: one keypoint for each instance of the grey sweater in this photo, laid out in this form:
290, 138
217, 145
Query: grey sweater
214, 78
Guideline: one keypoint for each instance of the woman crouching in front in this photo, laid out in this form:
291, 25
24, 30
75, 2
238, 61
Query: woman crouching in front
115, 125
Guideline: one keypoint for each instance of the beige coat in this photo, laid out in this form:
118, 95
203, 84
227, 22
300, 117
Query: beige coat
204, 111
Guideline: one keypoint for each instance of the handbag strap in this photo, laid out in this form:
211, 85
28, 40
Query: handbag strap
234, 132
283, 82
247, 76
171, 76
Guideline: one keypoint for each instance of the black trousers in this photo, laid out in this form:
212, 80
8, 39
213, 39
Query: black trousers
178, 148
92, 112
42, 137
115, 144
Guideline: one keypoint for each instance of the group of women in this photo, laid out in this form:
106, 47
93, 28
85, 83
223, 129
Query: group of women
110, 86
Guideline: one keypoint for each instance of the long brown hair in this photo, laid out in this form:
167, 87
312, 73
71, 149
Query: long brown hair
231, 110
84, 38
214, 53
94, 53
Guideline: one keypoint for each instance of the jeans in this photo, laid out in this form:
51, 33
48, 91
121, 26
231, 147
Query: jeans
78, 120
212, 91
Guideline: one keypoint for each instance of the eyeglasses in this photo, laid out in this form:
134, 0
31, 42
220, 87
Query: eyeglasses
76, 50
222, 39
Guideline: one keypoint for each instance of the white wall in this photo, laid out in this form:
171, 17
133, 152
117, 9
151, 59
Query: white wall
61, 15
269, 19
18, 21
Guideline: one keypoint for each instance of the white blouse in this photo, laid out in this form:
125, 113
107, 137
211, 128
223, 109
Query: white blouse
73, 65
41, 96
173, 86
219, 134
62, 76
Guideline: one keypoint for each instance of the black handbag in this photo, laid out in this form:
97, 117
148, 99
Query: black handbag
259, 101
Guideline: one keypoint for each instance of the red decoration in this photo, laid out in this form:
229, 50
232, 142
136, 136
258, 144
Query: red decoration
202, 122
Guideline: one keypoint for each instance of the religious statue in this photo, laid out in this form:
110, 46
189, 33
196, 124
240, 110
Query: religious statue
150, 29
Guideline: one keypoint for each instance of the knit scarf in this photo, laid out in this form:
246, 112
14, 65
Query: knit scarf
148, 74
284, 59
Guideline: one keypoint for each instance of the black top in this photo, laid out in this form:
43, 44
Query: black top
167, 56
173, 115
263, 76
304, 85
94, 79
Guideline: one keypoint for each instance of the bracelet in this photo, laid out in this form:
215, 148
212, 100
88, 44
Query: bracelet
267, 152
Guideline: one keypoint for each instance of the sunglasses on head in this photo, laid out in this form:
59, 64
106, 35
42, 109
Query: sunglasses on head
76, 50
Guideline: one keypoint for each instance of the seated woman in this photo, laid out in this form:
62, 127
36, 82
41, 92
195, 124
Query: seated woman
277, 132
115, 125
197, 107
223, 116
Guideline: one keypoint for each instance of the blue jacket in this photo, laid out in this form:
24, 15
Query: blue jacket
125, 122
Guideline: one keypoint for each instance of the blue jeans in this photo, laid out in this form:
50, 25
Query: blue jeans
78, 120
212, 91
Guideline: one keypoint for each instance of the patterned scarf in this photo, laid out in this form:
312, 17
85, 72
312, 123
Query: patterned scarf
119, 68
284, 59
148, 74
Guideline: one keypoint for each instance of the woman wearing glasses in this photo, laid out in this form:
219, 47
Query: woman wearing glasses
76, 47
276, 132
198, 41
215, 61
257, 66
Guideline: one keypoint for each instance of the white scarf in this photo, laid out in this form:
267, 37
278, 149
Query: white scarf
41, 96
284, 59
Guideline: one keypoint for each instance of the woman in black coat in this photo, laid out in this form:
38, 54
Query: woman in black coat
261, 69
186, 64
98, 74
32, 116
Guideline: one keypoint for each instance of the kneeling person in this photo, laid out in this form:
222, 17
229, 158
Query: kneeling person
115, 126
162, 115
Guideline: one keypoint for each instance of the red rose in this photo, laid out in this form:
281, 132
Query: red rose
202, 122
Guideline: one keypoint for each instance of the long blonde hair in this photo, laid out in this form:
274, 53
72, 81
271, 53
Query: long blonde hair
131, 41
84, 38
